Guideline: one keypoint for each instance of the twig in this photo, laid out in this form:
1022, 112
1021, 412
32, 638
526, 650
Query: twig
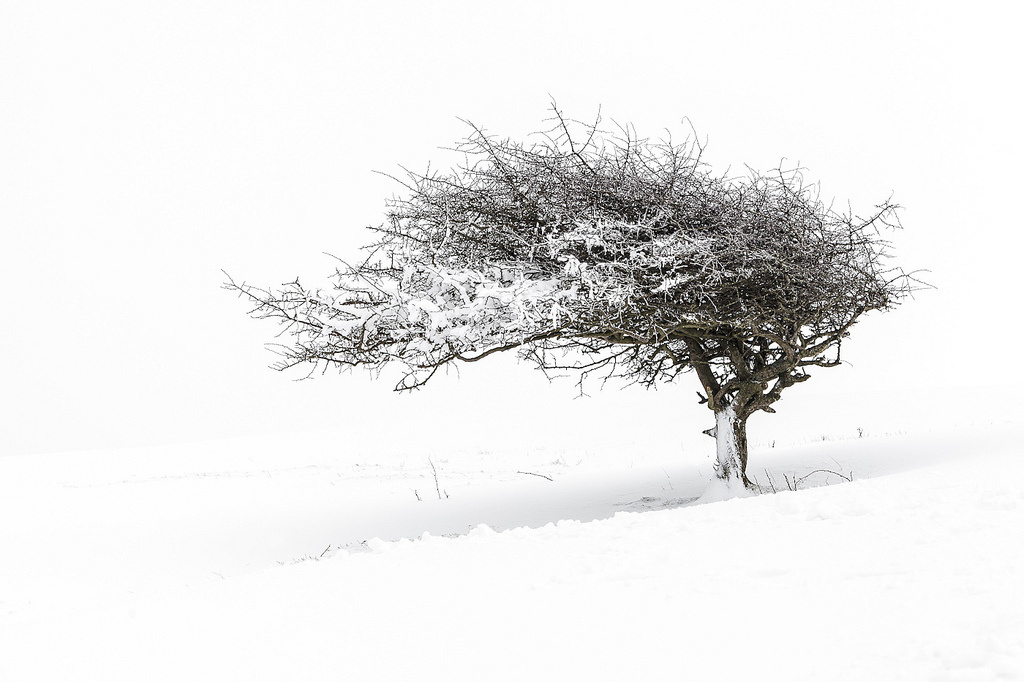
530, 473
848, 479
436, 484
670, 486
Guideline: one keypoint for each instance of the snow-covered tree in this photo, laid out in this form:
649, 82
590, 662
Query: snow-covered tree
604, 254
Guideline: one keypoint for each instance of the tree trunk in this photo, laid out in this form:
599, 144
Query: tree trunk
731, 443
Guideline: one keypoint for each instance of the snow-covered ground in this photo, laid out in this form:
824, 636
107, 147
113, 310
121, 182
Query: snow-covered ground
316, 556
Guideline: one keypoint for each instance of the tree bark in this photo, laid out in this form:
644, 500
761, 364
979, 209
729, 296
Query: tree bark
731, 444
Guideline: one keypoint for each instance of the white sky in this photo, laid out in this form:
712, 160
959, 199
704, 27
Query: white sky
145, 146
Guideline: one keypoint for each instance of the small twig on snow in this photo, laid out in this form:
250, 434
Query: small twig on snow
436, 484
530, 473
848, 479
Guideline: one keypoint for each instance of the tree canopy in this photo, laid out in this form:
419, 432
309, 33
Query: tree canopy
602, 253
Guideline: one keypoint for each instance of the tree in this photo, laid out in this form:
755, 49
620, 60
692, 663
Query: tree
602, 254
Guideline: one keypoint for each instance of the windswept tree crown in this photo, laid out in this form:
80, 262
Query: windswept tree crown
600, 252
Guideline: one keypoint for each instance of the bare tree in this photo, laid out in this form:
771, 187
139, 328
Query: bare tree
604, 254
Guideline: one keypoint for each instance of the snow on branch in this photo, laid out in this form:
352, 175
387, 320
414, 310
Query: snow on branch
599, 252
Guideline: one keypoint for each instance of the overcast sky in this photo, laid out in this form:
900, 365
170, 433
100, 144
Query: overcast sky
145, 146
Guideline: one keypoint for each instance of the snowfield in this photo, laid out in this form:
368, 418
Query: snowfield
293, 558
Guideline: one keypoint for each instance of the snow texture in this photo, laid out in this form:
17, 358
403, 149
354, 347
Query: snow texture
277, 560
